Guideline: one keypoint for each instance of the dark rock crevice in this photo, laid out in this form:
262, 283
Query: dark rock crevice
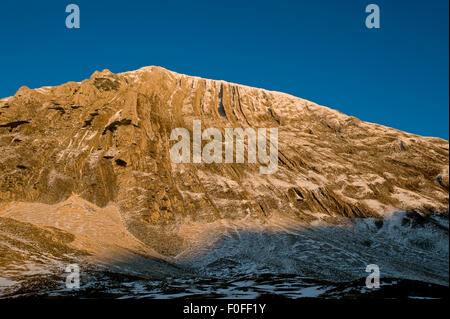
113, 126
13, 125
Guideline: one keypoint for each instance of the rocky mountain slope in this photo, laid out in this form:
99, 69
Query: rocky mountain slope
86, 177
38, 241
105, 142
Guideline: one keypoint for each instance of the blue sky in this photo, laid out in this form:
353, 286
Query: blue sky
319, 50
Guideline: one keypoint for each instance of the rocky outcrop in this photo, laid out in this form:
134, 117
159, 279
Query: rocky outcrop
106, 139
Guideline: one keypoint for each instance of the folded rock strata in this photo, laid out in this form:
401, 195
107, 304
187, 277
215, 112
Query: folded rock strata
105, 140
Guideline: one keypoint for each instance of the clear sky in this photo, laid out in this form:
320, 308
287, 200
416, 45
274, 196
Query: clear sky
319, 50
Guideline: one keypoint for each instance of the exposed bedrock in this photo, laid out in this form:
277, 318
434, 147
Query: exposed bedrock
106, 140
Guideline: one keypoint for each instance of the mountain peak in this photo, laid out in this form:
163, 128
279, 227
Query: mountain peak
107, 139
104, 73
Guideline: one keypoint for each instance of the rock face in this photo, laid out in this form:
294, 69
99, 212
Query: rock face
106, 140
